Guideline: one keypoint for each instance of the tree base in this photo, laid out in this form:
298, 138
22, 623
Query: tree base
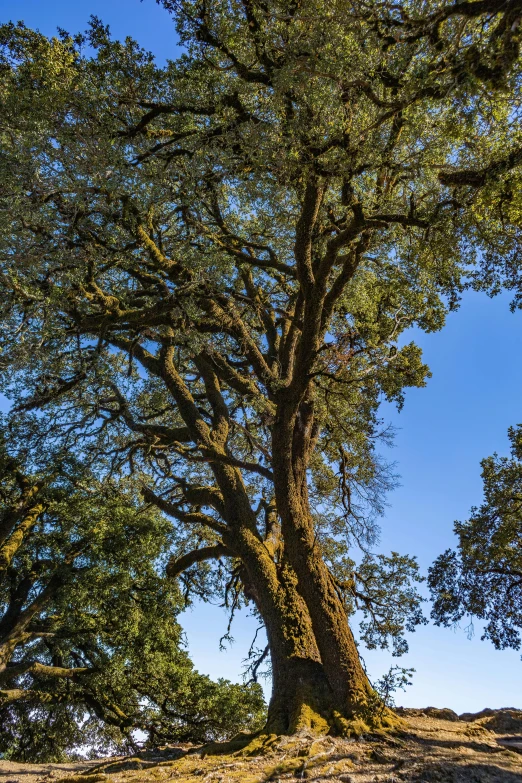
301, 699
302, 702
312, 726
305, 702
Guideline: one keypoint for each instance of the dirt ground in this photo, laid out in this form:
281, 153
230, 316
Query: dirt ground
434, 745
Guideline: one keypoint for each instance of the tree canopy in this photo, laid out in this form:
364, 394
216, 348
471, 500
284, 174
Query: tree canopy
208, 269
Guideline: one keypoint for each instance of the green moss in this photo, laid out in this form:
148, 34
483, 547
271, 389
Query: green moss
342, 766
368, 722
309, 718
283, 767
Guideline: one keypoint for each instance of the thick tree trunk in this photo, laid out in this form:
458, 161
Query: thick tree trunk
353, 695
317, 675
301, 696
339, 654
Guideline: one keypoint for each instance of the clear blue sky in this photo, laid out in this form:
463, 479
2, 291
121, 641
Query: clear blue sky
443, 433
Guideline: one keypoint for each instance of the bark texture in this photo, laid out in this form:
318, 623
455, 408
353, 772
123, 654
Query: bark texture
351, 692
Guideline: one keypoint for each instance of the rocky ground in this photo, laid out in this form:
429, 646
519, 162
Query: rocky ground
434, 745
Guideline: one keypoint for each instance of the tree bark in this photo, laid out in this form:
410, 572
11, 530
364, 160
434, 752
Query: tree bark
301, 696
351, 689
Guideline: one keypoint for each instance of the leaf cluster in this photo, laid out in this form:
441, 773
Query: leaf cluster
483, 576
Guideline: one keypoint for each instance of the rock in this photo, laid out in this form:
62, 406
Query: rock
487, 713
443, 713
504, 722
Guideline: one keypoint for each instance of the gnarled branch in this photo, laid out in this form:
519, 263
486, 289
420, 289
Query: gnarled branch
176, 566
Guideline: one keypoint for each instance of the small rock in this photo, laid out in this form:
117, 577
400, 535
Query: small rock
380, 757
504, 722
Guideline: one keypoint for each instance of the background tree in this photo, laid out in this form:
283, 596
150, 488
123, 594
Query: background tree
483, 577
89, 642
208, 268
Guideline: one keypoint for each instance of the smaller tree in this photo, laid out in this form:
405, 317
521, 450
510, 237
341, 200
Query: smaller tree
483, 577
90, 648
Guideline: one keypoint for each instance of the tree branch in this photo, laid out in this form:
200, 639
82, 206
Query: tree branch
176, 566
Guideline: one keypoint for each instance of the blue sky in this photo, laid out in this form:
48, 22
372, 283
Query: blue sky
442, 434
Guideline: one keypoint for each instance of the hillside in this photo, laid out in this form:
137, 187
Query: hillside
434, 745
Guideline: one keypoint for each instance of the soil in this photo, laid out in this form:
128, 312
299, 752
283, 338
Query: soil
433, 745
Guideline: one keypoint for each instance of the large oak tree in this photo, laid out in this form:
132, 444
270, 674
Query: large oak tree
208, 267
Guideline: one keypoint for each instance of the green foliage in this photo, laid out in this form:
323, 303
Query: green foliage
383, 589
91, 647
123, 214
483, 577
396, 679
212, 711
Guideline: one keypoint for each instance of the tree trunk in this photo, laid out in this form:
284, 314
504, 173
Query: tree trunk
301, 696
317, 675
352, 690
353, 696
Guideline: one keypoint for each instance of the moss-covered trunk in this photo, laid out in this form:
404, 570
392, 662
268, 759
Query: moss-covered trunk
301, 696
353, 695
300, 692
